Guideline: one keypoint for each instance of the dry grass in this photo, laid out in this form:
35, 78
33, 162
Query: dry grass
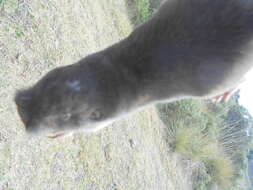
37, 36
199, 147
194, 144
210, 145
221, 170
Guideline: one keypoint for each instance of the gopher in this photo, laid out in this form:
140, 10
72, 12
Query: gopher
187, 49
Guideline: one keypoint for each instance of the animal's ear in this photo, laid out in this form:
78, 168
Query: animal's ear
22, 98
95, 115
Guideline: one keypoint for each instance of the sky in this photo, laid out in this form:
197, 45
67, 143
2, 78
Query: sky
246, 92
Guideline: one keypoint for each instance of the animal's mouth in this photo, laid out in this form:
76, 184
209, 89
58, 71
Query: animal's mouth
55, 135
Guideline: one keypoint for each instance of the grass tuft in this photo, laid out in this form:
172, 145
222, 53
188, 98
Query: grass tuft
143, 9
139, 11
207, 134
221, 170
194, 144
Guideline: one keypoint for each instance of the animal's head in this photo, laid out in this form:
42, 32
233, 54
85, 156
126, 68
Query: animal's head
80, 96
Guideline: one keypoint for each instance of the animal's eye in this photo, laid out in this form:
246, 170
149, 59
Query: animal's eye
66, 116
95, 115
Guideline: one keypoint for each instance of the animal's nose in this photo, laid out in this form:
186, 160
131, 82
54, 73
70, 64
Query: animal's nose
32, 129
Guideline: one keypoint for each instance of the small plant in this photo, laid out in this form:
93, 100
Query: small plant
139, 10
214, 135
221, 170
19, 33
194, 144
143, 9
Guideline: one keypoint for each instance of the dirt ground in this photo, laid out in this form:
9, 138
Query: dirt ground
132, 154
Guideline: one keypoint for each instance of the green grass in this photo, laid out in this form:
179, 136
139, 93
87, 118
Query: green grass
221, 170
206, 133
139, 11
19, 33
194, 144
9, 5
143, 9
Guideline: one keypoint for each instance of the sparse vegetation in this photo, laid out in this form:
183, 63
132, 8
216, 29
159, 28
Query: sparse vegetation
207, 133
143, 9
139, 10
221, 170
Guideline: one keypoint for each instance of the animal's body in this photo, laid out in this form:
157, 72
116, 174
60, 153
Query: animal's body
189, 48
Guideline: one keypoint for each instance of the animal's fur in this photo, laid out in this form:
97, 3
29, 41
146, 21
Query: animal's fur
189, 48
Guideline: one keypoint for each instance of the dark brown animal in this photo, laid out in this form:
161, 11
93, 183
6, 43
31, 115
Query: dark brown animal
189, 48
